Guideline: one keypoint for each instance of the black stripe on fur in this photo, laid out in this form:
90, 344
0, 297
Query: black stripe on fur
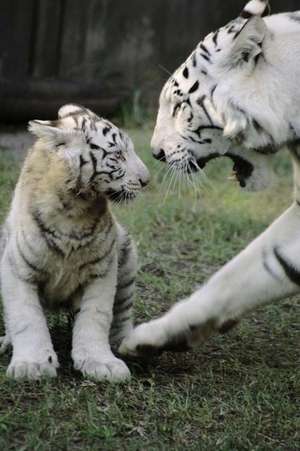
291, 272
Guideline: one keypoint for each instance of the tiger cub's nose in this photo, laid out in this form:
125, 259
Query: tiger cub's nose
144, 182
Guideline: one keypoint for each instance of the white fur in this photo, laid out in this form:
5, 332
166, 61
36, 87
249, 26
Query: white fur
245, 88
263, 92
63, 247
256, 7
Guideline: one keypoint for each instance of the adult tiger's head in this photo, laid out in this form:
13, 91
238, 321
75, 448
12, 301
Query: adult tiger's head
201, 114
100, 157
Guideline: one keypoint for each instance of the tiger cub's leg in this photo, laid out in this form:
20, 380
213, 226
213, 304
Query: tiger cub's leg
122, 312
26, 328
91, 351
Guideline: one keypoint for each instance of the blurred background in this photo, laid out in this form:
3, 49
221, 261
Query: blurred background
110, 55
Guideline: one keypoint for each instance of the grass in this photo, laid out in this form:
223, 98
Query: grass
237, 392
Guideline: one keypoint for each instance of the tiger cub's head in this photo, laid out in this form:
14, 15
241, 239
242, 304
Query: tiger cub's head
202, 113
100, 157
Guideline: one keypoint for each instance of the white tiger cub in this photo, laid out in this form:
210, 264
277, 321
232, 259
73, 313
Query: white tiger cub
237, 95
63, 246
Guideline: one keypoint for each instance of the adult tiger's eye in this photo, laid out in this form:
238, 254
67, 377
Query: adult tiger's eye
176, 108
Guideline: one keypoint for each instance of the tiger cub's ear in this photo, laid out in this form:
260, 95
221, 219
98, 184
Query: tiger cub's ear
71, 109
248, 43
50, 132
47, 130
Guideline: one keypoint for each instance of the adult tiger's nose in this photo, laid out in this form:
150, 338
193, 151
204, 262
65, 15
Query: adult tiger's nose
159, 155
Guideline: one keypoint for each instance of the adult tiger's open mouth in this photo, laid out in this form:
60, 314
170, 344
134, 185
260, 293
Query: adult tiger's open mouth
242, 169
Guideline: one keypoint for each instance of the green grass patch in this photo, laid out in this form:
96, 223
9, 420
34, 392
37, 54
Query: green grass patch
236, 392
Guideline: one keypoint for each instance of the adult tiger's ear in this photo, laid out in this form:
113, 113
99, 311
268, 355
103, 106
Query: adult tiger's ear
247, 44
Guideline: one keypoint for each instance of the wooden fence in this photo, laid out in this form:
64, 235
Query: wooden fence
98, 52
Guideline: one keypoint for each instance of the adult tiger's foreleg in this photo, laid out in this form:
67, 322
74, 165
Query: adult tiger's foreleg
267, 270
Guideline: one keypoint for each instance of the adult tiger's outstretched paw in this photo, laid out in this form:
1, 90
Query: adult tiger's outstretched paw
151, 339
146, 339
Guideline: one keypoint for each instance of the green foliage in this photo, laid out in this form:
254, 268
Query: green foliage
236, 392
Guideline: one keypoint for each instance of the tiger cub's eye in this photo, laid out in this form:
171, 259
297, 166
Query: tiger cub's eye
120, 155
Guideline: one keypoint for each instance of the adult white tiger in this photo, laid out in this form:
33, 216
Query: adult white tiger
236, 95
64, 248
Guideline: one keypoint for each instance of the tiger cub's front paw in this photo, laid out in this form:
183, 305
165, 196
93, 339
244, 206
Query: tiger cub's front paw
32, 369
103, 368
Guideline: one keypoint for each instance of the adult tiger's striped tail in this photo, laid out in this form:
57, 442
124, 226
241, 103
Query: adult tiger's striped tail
255, 8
